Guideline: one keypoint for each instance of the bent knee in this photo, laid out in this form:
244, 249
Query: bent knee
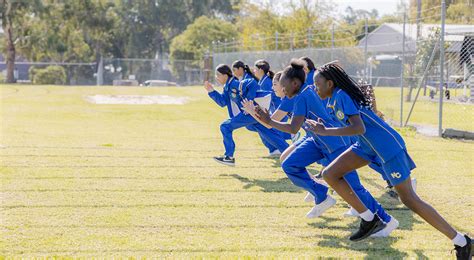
410, 200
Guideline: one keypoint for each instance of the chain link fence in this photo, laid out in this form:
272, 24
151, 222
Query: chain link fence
125, 71
415, 66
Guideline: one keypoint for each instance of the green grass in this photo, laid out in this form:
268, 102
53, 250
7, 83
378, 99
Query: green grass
455, 115
79, 179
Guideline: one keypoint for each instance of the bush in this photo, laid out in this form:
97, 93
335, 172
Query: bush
51, 75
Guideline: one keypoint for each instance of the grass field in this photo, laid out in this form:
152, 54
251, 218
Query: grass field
455, 115
81, 179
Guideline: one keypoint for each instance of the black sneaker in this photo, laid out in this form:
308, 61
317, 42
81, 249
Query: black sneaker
367, 228
391, 192
464, 252
227, 160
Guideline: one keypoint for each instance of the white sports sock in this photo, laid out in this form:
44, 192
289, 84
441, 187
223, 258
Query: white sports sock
367, 215
459, 240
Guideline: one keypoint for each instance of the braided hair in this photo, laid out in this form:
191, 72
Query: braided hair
341, 80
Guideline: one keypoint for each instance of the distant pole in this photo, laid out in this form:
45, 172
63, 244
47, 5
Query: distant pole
276, 41
291, 41
332, 42
441, 69
365, 47
309, 37
100, 72
225, 46
402, 68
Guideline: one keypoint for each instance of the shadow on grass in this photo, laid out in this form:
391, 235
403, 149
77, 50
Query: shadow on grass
280, 185
375, 248
372, 247
394, 207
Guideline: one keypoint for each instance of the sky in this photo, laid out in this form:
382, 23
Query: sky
383, 6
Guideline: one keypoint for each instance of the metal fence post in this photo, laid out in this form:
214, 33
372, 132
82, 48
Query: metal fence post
441, 69
309, 38
365, 47
292, 39
402, 68
100, 72
276, 41
332, 42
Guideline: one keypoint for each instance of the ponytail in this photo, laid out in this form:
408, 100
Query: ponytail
225, 70
271, 74
295, 71
265, 66
240, 64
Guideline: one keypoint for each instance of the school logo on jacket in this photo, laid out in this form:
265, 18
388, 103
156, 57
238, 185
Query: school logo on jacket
340, 115
396, 175
233, 93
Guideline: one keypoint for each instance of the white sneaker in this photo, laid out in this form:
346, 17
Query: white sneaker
351, 213
275, 153
391, 226
309, 197
320, 208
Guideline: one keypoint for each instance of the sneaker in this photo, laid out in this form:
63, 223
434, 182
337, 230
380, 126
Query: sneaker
295, 137
391, 192
320, 208
226, 160
391, 226
464, 252
367, 228
309, 198
351, 213
275, 153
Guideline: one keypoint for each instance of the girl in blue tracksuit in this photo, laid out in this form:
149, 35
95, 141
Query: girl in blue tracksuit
265, 81
378, 143
232, 96
271, 138
309, 69
307, 105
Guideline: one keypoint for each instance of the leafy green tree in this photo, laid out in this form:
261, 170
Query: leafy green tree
197, 39
14, 14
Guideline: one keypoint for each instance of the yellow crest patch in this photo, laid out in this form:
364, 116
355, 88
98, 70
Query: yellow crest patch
340, 115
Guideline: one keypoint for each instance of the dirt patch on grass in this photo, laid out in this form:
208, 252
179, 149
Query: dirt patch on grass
137, 99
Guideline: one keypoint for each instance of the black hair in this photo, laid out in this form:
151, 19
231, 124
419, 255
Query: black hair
225, 70
240, 64
265, 66
341, 80
295, 71
277, 76
309, 62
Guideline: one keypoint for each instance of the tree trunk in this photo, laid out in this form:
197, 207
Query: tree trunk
11, 52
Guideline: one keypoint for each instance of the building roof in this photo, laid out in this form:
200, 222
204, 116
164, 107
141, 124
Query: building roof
388, 37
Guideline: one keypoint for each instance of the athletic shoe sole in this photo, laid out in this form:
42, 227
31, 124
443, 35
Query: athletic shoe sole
225, 163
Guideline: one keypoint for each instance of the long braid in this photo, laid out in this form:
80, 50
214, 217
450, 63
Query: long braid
341, 80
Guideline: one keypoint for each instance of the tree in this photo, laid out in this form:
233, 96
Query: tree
147, 26
13, 13
456, 11
192, 43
